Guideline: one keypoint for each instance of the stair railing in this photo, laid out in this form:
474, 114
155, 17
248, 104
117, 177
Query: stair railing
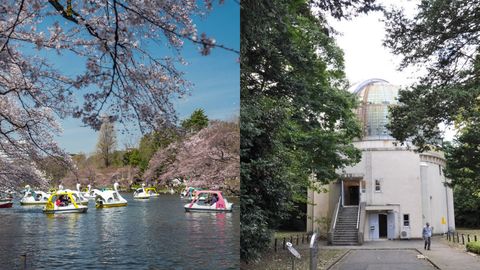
358, 216
361, 222
333, 222
336, 212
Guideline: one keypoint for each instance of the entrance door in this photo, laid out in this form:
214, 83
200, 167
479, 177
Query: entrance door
353, 192
382, 225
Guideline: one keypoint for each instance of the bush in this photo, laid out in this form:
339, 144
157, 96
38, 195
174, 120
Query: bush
474, 247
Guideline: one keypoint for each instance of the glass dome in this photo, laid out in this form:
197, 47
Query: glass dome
375, 95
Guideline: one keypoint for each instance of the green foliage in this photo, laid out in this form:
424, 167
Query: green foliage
444, 38
132, 158
196, 121
474, 247
149, 145
296, 121
467, 206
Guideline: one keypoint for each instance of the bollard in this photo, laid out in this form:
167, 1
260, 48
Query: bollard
463, 239
475, 238
468, 238
297, 239
283, 246
313, 252
275, 244
458, 238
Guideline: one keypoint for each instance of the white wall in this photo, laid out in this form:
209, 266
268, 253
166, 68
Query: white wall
406, 188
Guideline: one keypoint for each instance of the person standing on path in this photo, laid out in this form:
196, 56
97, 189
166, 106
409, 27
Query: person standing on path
427, 235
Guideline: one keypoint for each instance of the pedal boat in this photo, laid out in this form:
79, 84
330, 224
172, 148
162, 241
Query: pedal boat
83, 200
73, 207
199, 205
141, 193
188, 193
89, 193
34, 197
110, 198
6, 202
152, 192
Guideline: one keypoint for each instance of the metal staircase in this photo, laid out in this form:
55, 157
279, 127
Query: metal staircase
345, 229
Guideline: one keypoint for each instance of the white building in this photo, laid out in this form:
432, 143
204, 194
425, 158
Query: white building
392, 192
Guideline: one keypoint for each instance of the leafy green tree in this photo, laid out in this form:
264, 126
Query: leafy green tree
149, 144
296, 119
443, 37
467, 206
196, 121
132, 158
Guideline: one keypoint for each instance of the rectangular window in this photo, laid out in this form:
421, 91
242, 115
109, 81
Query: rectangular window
406, 220
378, 187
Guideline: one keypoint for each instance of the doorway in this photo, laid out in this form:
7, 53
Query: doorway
351, 192
354, 195
382, 225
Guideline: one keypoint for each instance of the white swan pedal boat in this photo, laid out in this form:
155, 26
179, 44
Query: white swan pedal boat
213, 201
110, 198
64, 201
141, 193
152, 192
32, 197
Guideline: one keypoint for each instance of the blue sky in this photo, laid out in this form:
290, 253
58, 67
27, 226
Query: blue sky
215, 79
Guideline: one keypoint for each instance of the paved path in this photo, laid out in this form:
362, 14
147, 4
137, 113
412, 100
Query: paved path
386, 259
441, 255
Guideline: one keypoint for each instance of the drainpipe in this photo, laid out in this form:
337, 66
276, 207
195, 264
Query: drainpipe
446, 201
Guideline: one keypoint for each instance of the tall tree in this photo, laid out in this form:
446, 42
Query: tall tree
196, 121
107, 141
296, 118
120, 70
444, 38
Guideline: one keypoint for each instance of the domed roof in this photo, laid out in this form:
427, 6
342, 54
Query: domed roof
375, 95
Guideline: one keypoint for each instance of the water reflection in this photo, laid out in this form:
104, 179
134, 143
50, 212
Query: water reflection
153, 234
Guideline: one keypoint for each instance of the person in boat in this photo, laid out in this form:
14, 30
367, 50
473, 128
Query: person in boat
214, 199
58, 202
64, 200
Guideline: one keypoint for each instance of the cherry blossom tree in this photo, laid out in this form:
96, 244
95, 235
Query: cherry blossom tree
129, 49
209, 158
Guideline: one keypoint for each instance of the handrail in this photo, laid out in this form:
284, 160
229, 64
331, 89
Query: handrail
358, 215
336, 212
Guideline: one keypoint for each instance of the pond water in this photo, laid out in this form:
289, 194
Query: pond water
147, 234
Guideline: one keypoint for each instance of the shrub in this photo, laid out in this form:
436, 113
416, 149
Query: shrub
474, 247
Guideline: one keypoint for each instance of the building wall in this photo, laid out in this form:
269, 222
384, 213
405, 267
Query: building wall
438, 198
411, 184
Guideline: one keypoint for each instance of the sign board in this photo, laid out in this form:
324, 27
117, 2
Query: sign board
444, 221
292, 250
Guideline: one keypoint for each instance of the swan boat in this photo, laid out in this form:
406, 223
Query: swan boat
64, 201
152, 192
110, 198
213, 201
32, 197
89, 193
141, 193
188, 193
83, 199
